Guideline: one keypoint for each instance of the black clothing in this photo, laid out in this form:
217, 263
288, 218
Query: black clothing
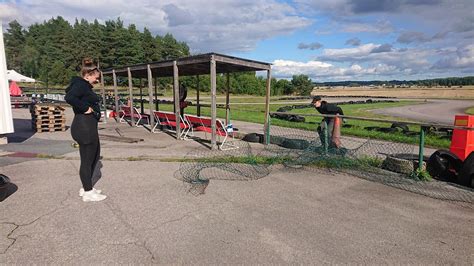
183, 93
316, 98
329, 109
80, 96
84, 131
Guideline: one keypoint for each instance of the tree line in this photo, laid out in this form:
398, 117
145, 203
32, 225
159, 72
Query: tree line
446, 82
52, 52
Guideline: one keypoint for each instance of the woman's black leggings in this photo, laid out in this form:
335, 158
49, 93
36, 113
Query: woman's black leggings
84, 132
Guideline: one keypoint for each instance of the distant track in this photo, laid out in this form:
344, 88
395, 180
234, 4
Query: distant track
433, 111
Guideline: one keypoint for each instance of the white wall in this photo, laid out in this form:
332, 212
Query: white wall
6, 120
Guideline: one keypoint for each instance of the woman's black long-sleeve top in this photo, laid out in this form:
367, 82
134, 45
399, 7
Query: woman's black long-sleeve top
80, 96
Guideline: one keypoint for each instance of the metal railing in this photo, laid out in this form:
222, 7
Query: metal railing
422, 133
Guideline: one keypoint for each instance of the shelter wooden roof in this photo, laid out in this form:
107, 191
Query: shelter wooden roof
192, 65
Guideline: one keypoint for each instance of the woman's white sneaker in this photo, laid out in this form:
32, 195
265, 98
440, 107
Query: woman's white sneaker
92, 196
81, 191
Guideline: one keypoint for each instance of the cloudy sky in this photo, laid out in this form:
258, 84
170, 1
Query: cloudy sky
328, 40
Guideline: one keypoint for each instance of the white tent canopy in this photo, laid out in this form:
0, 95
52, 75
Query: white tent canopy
6, 120
15, 76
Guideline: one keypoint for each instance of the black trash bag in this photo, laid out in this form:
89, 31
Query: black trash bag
4, 180
6, 187
466, 174
444, 165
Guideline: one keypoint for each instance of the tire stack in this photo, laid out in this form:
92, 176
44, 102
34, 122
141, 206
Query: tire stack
48, 118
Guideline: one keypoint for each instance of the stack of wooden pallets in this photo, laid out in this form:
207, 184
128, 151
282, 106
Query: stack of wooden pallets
48, 118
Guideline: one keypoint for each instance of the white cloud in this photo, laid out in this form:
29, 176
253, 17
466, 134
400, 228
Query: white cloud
463, 58
381, 61
228, 26
454, 16
318, 70
378, 27
8, 12
346, 54
380, 54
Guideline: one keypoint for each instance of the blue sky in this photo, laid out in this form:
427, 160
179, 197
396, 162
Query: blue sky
326, 40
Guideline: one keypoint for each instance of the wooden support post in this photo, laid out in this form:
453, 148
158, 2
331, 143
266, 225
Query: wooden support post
157, 108
213, 102
141, 97
130, 94
102, 90
267, 109
227, 101
150, 96
176, 99
116, 96
198, 111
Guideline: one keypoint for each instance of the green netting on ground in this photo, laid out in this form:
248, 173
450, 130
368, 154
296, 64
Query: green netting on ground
238, 164
385, 162
389, 163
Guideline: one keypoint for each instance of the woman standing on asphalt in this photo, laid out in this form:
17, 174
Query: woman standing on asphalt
85, 104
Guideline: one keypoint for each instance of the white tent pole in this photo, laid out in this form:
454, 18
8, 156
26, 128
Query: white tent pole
6, 120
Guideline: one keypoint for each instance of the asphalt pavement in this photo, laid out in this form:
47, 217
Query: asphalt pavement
288, 217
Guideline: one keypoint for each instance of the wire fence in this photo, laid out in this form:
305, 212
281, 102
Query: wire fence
390, 163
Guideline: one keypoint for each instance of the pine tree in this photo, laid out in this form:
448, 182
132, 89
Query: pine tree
14, 44
151, 48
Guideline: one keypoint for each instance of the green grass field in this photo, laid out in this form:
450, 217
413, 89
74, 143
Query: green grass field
255, 113
470, 111
253, 110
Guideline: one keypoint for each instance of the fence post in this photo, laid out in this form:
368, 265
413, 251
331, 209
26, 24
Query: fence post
421, 150
325, 136
267, 130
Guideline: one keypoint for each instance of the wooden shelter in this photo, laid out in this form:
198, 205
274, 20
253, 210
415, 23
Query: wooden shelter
204, 64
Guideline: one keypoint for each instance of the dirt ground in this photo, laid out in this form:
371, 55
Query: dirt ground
466, 92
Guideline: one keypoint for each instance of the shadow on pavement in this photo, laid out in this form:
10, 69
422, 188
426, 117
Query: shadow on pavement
23, 131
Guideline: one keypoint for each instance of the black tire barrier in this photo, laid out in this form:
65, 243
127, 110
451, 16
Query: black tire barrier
439, 131
295, 144
331, 96
301, 106
444, 165
466, 175
387, 130
253, 137
288, 117
296, 118
371, 128
284, 109
402, 126
382, 129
